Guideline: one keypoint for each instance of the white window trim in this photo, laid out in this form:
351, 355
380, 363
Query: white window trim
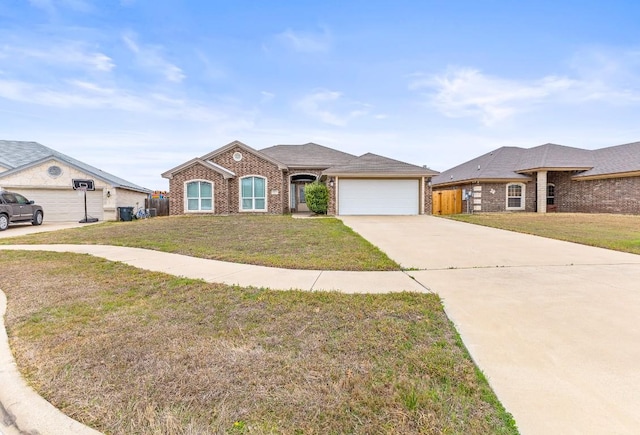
266, 196
522, 198
186, 197
554, 193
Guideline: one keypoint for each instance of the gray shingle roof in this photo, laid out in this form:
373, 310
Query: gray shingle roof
614, 160
497, 164
554, 156
509, 163
374, 164
18, 155
307, 155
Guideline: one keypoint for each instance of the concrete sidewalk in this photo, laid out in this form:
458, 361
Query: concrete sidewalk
244, 275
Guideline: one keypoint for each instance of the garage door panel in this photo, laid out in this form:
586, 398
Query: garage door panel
378, 197
64, 205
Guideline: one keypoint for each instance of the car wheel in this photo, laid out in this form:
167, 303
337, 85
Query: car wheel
37, 218
4, 222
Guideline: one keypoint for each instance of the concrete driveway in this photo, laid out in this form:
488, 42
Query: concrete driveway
23, 229
555, 326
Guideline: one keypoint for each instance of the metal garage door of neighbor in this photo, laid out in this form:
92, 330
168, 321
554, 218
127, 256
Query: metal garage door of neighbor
378, 197
66, 205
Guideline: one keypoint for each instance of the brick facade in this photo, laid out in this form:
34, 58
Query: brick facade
227, 192
492, 197
607, 195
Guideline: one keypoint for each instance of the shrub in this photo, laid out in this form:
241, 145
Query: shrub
317, 197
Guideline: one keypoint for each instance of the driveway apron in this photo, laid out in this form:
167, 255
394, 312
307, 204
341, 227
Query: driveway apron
553, 325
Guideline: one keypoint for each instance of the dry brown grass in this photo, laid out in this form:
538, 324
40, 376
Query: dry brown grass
278, 241
611, 231
134, 352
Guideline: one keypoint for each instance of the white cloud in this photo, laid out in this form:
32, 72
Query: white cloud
330, 108
51, 6
467, 92
603, 76
45, 5
306, 42
61, 54
151, 59
81, 94
266, 96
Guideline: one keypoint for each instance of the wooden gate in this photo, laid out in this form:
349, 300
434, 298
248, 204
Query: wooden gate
161, 205
447, 202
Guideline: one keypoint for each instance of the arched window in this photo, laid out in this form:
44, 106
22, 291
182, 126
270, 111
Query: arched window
551, 194
199, 196
253, 194
515, 196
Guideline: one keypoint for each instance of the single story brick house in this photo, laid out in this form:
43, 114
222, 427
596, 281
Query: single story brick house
549, 177
239, 179
45, 176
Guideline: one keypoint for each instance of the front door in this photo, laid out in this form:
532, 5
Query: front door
302, 202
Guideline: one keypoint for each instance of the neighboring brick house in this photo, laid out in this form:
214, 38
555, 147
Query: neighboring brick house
239, 179
549, 178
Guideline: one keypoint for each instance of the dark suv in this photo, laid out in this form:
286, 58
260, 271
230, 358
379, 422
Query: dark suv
16, 208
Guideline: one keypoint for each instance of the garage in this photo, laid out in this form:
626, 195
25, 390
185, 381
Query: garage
378, 197
66, 205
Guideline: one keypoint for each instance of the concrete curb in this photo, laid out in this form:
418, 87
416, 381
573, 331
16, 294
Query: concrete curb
26, 412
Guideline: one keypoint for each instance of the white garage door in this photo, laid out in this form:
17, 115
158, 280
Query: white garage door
378, 197
65, 205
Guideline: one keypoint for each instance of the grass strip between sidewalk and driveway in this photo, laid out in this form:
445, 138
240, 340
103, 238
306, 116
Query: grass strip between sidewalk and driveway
131, 351
276, 241
611, 231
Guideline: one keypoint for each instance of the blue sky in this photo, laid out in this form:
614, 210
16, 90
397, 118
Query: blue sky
136, 87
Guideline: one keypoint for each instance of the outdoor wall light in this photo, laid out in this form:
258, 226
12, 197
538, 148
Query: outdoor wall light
108, 194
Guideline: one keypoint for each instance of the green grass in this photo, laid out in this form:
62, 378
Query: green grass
130, 351
278, 241
617, 232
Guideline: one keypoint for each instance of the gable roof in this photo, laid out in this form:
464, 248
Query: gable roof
512, 163
198, 161
19, 155
238, 144
372, 164
309, 155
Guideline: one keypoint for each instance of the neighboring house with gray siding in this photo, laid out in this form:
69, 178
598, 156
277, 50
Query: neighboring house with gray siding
549, 177
45, 176
237, 178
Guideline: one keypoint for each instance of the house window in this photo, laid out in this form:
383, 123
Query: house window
199, 196
302, 197
515, 196
551, 194
253, 194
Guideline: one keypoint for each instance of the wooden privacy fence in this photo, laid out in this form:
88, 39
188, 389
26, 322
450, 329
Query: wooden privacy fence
447, 202
161, 205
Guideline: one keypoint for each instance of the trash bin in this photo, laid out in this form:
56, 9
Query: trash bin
125, 213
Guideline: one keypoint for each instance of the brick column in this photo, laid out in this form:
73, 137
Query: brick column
542, 192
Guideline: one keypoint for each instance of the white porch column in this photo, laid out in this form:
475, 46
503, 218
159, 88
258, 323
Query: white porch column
542, 192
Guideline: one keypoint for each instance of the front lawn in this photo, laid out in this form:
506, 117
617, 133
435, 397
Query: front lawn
129, 351
611, 231
278, 241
